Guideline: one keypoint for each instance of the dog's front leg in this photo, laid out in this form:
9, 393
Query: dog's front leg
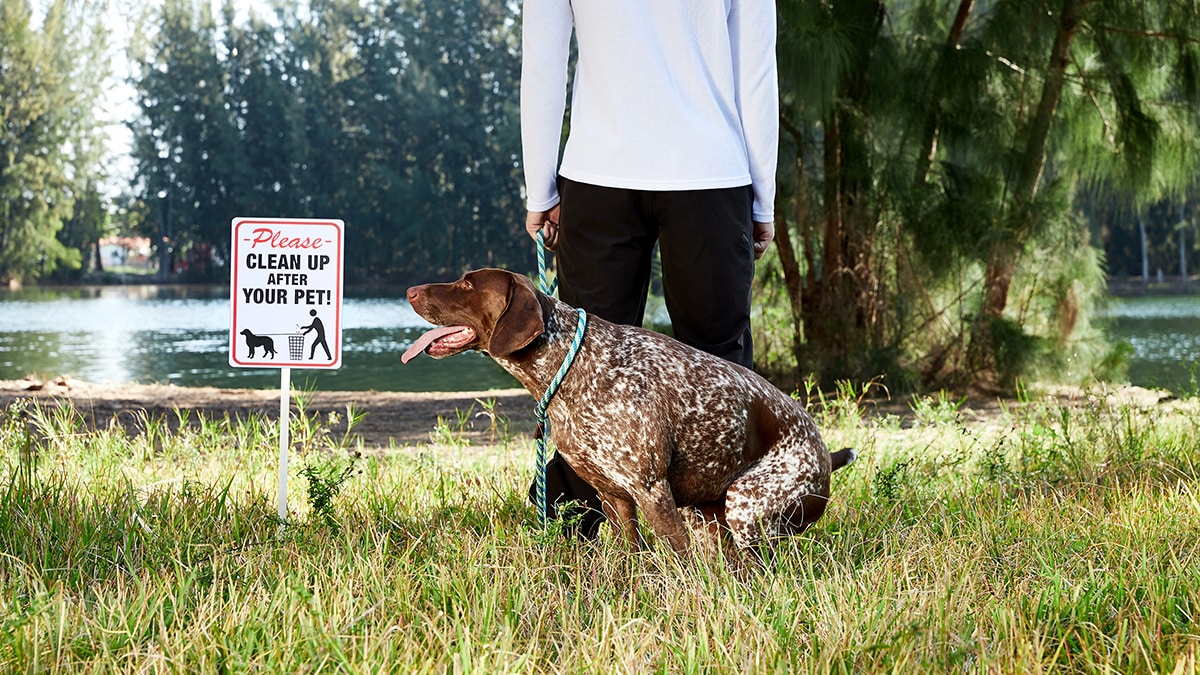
658, 503
622, 513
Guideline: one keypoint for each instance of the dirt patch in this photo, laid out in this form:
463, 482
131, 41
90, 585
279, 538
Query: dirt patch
391, 418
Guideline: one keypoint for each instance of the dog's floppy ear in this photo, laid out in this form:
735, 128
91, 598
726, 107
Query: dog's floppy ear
520, 322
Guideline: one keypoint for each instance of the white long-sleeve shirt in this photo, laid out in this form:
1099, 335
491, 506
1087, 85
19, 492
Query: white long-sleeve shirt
668, 95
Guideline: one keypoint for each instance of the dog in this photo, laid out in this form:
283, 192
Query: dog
253, 341
653, 424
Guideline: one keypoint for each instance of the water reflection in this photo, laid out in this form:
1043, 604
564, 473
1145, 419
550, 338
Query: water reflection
1165, 335
180, 335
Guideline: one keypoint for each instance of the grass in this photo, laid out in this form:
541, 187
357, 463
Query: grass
1049, 538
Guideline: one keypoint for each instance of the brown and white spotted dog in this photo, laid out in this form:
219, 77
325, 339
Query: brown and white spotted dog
651, 423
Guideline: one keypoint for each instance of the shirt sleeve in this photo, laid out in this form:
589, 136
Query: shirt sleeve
545, 49
752, 32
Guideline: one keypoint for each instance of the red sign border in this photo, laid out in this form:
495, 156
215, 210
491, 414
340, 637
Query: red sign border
235, 225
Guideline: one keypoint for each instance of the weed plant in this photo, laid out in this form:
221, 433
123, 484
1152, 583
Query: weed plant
1051, 537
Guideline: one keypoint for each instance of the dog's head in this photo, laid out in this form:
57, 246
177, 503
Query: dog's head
491, 310
246, 332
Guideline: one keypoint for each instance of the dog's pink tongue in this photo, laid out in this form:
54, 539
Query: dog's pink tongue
426, 340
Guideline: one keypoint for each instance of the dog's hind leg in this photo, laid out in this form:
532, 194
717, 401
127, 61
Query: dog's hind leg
778, 497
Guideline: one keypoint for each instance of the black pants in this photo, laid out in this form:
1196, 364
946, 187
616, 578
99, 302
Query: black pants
605, 246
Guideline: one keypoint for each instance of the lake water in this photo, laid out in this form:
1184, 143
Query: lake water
180, 335
1164, 332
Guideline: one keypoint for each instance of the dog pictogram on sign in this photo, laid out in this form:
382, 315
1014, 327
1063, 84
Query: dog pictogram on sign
285, 293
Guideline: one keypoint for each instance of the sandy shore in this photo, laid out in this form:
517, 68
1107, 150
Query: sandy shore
398, 418
408, 418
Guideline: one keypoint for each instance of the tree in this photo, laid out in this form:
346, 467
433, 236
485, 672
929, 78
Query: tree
49, 80
186, 143
1105, 67
932, 151
828, 61
398, 117
90, 222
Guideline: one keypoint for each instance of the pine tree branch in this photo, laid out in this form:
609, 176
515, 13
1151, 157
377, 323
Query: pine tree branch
1085, 84
1150, 34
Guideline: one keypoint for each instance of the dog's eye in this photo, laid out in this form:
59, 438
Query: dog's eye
466, 285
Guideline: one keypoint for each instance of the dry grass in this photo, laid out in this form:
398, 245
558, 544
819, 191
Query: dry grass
1049, 538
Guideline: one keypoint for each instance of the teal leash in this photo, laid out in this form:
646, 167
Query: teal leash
541, 256
542, 432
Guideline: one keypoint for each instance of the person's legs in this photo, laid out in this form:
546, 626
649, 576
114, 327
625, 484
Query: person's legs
604, 250
603, 260
707, 255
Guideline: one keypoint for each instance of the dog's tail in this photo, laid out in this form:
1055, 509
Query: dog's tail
843, 457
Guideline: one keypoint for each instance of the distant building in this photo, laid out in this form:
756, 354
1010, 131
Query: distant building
126, 252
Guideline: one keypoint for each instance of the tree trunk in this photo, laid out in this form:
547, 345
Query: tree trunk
834, 229
833, 329
843, 303
792, 280
1006, 248
166, 245
1033, 158
934, 120
1145, 252
998, 279
1183, 270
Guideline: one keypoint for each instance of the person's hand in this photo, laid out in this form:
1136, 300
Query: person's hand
763, 234
547, 221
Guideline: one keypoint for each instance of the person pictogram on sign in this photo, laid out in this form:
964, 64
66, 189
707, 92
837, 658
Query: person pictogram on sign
319, 328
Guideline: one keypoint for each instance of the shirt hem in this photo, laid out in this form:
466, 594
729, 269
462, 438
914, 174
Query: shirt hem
655, 185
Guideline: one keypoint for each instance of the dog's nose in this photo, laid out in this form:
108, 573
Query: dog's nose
413, 293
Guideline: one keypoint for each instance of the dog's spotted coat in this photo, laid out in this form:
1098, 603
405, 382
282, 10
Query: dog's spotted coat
651, 423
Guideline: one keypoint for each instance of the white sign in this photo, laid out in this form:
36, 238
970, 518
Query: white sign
286, 293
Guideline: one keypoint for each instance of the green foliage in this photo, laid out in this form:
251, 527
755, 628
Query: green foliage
936, 410
90, 222
498, 432
934, 161
399, 118
326, 476
50, 75
452, 434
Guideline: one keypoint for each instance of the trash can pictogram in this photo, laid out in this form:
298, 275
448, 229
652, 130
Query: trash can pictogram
296, 346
